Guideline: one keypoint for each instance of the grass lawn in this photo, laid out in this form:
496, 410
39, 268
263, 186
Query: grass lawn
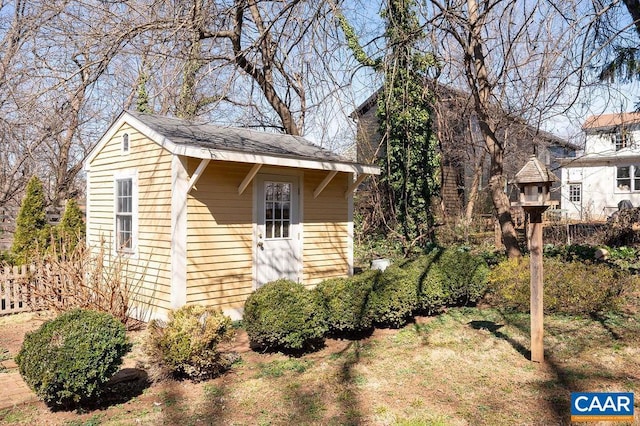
467, 366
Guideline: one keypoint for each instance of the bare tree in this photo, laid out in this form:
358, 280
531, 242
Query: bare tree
515, 59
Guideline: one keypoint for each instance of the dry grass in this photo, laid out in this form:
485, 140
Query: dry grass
464, 367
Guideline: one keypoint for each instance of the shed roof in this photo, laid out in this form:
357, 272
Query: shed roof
207, 141
535, 172
611, 120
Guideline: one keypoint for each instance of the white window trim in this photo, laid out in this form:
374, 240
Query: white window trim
133, 175
122, 150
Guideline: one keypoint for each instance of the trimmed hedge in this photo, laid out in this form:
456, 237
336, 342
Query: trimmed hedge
447, 277
347, 303
394, 297
284, 315
68, 359
187, 345
569, 287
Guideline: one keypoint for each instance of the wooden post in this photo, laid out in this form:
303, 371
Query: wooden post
536, 270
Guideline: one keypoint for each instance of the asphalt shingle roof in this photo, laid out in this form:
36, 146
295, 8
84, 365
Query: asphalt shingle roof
208, 136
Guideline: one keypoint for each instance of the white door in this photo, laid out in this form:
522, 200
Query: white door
277, 244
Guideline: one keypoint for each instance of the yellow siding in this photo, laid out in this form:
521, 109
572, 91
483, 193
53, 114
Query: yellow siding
220, 237
151, 268
325, 229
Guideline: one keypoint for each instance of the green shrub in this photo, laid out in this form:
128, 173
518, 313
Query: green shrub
394, 297
573, 252
347, 303
447, 277
71, 230
431, 292
32, 231
69, 359
569, 287
285, 315
187, 345
464, 276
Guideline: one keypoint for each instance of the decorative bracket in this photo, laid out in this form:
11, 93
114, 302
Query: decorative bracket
247, 180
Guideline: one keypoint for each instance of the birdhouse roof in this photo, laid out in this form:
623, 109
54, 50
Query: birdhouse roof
535, 172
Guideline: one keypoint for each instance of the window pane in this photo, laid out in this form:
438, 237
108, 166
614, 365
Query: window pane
269, 230
277, 230
285, 229
623, 172
285, 211
269, 191
124, 231
278, 210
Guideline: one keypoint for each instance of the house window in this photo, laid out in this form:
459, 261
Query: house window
628, 178
125, 143
622, 139
124, 214
277, 209
575, 192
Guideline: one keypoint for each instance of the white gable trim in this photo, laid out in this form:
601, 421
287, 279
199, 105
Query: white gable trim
223, 155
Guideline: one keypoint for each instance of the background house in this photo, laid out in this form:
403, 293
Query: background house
463, 149
206, 214
608, 171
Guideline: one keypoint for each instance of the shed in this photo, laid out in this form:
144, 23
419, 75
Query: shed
205, 214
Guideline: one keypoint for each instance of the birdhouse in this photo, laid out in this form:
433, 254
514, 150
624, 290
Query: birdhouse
534, 181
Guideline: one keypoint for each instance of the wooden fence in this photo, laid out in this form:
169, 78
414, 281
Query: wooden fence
15, 294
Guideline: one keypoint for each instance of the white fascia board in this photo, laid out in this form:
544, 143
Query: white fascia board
271, 160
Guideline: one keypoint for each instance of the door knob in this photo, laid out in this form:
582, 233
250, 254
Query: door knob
261, 245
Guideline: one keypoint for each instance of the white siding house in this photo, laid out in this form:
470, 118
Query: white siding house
608, 172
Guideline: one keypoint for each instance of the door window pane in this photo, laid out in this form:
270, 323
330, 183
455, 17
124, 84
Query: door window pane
277, 209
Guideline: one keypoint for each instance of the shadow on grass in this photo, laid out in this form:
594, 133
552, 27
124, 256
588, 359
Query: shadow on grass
348, 399
494, 328
572, 374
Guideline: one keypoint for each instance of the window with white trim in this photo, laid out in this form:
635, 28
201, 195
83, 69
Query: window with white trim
125, 143
575, 192
628, 178
124, 214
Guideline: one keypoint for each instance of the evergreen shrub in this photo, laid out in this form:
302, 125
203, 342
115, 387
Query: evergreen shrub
394, 297
188, 344
284, 315
447, 277
569, 287
347, 303
68, 359
32, 230
464, 276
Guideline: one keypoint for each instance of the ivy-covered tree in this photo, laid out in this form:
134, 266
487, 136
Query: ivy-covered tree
411, 163
31, 224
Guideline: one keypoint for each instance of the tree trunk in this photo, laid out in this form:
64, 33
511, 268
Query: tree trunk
473, 192
481, 88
